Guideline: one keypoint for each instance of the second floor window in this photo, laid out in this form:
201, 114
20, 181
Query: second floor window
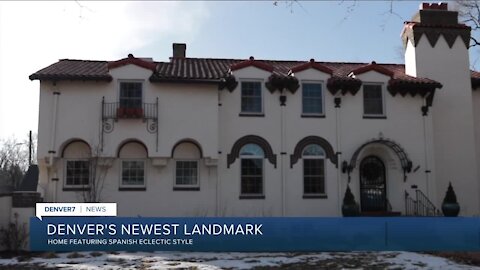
131, 95
373, 100
312, 99
251, 97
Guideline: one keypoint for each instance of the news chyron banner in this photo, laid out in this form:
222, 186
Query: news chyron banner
95, 227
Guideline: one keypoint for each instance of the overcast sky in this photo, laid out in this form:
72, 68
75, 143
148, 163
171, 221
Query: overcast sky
34, 35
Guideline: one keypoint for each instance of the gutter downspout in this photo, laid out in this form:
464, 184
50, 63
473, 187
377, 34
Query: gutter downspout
51, 152
283, 100
337, 101
425, 148
217, 182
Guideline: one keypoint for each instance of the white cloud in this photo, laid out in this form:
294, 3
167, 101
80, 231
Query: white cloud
34, 35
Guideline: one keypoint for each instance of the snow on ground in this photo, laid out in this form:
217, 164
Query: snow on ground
210, 261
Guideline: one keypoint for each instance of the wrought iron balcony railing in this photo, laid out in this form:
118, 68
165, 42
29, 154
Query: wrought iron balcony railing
117, 110
113, 111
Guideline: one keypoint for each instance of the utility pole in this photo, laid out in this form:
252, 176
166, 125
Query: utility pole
30, 148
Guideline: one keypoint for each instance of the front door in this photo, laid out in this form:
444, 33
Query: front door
373, 187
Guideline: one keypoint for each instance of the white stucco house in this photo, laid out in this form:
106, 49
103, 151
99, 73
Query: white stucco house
249, 137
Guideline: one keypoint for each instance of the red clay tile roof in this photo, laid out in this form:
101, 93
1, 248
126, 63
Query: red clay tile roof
252, 62
208, 70
312, 64
373, 66
134, 61
67, 69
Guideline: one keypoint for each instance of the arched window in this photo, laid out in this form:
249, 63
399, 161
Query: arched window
313, 157
252, 157
133, 157
186, 155
77, 164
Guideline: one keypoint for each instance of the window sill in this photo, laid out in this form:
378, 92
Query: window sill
315, 196
186, 188
132, 188
374, 117
76, 188
251, 197
251, 114
313, 115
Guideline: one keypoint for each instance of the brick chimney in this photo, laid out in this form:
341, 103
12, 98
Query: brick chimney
179, 50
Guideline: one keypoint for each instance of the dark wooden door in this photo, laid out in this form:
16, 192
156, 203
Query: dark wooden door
373, 189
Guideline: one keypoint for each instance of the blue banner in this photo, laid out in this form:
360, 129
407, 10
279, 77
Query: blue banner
254, 234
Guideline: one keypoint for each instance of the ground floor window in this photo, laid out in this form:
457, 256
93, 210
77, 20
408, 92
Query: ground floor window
251, 156
77, 172
252, 176
186, 173
133, 173
313, 176
313, 169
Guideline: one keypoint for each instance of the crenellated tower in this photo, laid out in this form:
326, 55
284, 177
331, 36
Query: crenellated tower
436, 47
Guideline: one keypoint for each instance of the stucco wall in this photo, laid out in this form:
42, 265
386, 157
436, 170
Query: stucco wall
453, 122
202, 114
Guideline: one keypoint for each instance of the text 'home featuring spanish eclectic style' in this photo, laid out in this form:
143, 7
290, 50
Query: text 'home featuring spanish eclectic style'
250, 137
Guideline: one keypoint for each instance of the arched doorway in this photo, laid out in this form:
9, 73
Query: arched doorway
373, 188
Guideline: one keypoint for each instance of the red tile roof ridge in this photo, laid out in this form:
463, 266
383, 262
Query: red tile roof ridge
239, 59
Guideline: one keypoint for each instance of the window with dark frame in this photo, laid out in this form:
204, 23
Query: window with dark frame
372, 100
77, 172
133, 173
312, 99
313, 170
313, 176
186, 173
251, 156
131, 95
251, 97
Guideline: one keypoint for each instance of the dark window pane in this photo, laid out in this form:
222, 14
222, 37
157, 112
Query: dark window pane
251, 100
133, 172
251, 176
372, 99
186, 173
312, 98
130, 94
78, 172
313, 176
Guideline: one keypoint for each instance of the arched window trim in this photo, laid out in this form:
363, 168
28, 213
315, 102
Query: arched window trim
76, 161
237, 146
67, 144
187, 141
119, 150
327, 148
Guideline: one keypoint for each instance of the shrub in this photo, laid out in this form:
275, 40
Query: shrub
14, 236
349, 199
450, 196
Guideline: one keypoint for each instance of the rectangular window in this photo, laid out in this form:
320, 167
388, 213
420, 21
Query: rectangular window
312, 99
77, 172
133, 173
372, 100
313, 176
252, 176
251, 97
186, 173
131, 95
